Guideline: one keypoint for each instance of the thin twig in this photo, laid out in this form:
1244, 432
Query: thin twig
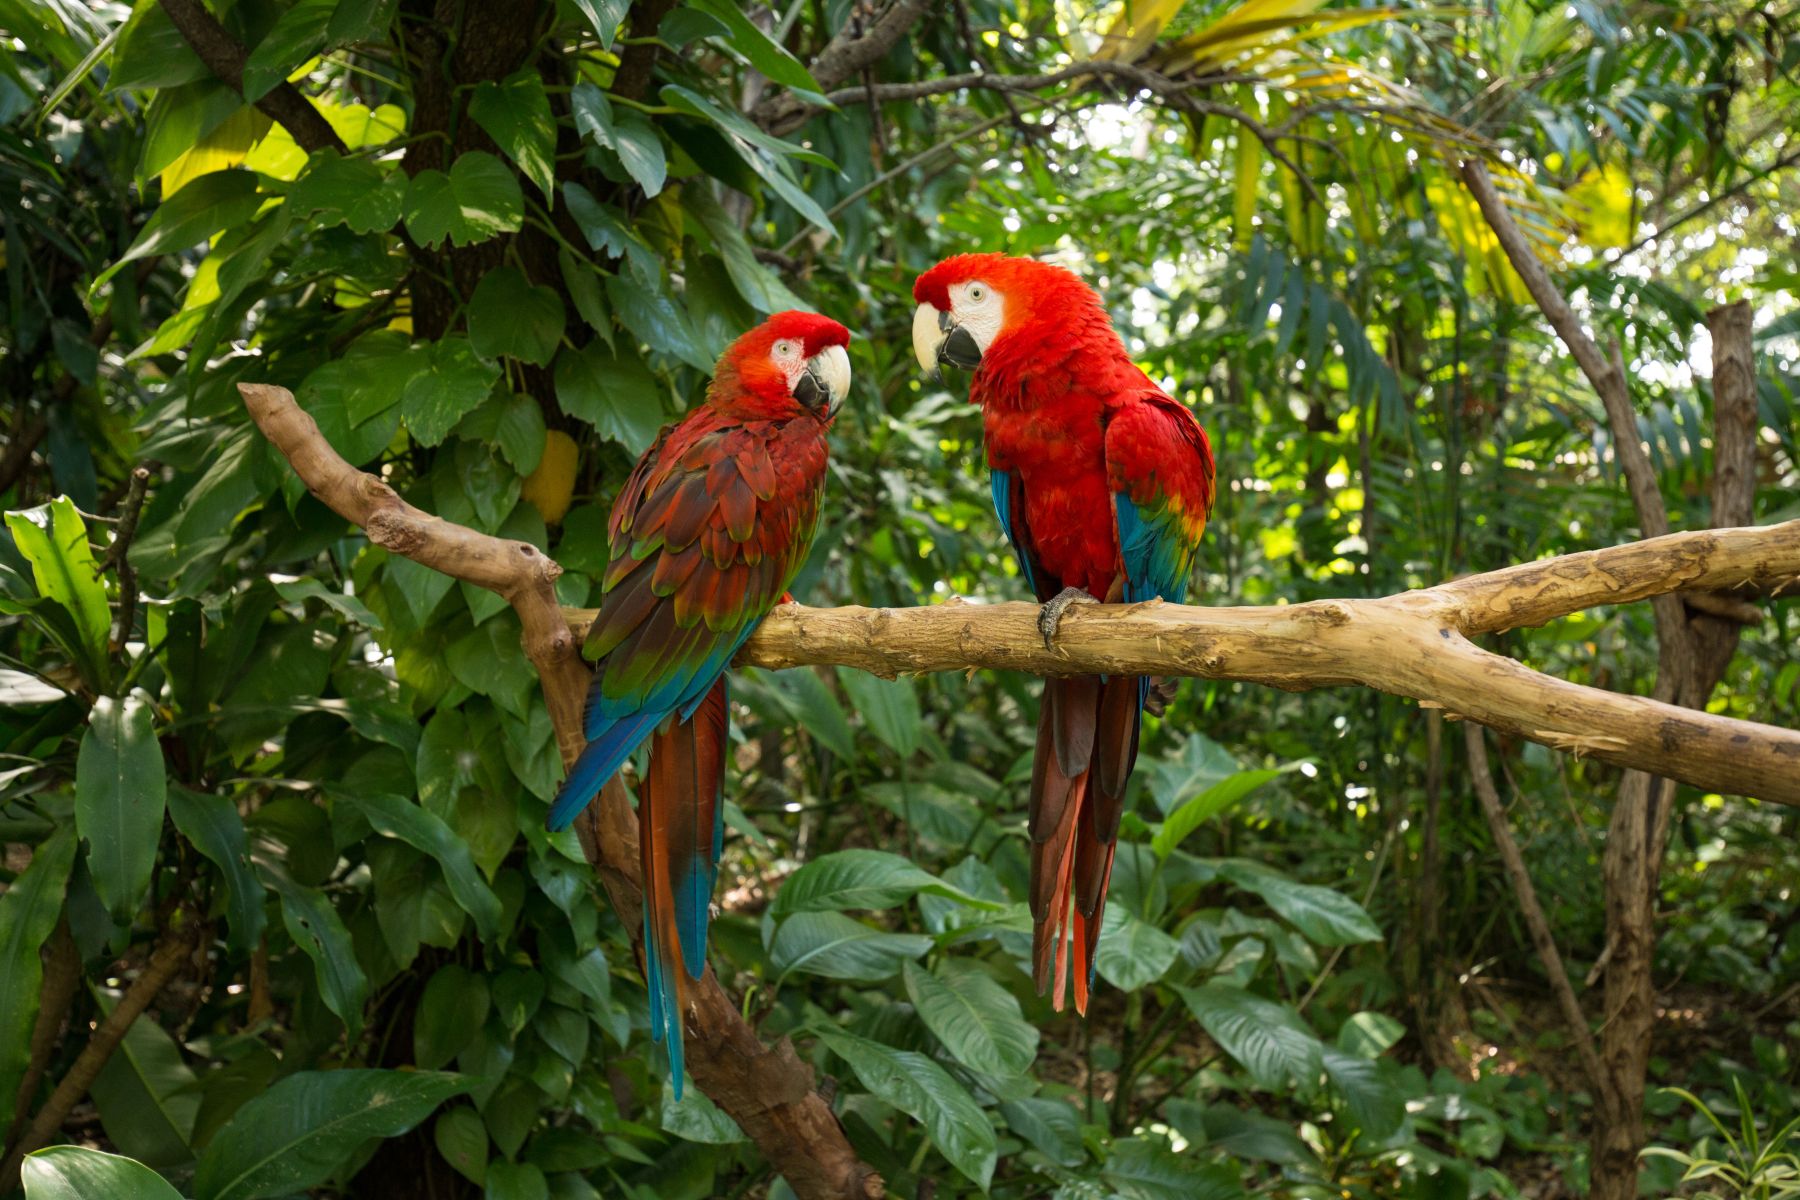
118, 555
62, 978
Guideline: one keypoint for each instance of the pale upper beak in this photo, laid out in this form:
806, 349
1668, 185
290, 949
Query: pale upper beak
825, 382
938, 339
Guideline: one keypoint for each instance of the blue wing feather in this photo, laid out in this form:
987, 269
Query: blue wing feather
1001, 484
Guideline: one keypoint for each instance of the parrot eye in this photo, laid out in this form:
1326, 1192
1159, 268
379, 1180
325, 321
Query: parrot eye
977, 293
784, 349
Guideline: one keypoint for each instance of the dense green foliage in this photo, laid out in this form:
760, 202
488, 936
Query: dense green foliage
330, 766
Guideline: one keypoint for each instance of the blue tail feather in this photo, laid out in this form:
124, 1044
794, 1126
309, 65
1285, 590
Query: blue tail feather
604, 754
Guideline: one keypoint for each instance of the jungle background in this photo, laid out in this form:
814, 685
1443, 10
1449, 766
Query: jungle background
278, 796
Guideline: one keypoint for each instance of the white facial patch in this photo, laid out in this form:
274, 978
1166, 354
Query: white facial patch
979, 309
789, 356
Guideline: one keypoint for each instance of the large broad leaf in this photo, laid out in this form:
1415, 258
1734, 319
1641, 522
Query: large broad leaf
647, 309
147, 1095
1216, 799
348, 191
510, 315
757, 284
919, 1087
77, 1173
121, 790
977, 1021
477, 200
890, 706
1142, 1169
450, 1013
319, 932
695, 1118
761, 152
1326, 917
850, 879
1053, 1127
296, 1134
1270, 1040
28, 912
54, 540
200, 209
516, 114
1133, 953
604, 16
841, 947
299, 34
454, 383
422, 829
212, 824
1377, 1104
615, 393
758, 48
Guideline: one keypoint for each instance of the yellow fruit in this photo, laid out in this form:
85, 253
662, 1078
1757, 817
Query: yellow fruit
550, 487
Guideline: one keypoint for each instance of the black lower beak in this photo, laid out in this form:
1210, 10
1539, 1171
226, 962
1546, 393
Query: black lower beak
959, 350
813, 394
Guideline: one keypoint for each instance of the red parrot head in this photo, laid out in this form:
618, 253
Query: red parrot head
793, 363
974, 307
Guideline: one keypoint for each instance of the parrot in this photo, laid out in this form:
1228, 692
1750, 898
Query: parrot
1103, 484
704, 539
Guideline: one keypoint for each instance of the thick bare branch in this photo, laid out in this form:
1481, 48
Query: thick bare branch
225, 58
864, 39
767, 1090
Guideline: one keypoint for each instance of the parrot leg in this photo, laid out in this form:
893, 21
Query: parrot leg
1051, 614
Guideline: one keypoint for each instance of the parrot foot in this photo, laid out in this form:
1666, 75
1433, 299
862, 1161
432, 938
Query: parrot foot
1051, 614
1162, 694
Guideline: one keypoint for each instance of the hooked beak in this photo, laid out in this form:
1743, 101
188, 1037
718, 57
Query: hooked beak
938, 339
822, 387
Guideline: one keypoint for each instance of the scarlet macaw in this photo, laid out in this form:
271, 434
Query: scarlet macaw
705, 538
1102, 483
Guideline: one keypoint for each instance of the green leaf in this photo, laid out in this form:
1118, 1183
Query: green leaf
849, 879
516, 114
454, 382
890, 706
978, 1021
840, 947
342, 603
1133, 953
650, 313
479, 199
320, 934
616, 394
758, 149
695, 1118
1369, 1034
1051, 1126
919, 1087
297, 36
1142, 1169
450, 1013
212, 824
1324, 916
77, 1173
509, 315
463, 1141
147, 1096
204, 207
1210, 803
28, 911
398, 817
295, 1135
348, 191
1201, 763
604, 16
758, 48
757, 284
121, 790
1378, 1106
634, 139
1270, 1040
151, 54
54, 540
516, 1181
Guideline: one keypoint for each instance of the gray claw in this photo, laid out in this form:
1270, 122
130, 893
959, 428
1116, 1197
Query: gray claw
1051, 614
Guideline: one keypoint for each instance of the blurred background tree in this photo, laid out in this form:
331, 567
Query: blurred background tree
280, 916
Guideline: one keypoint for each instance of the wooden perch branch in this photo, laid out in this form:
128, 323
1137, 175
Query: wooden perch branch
767, 1090
1411, 644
